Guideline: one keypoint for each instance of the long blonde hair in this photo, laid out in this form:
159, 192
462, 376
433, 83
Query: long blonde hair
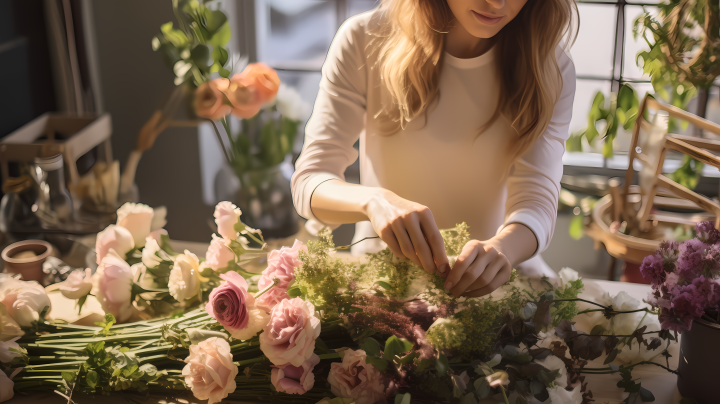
410, 46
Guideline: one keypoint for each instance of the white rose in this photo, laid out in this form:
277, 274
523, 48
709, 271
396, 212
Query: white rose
24, 301
9, 328
159, 219
137, 218
149, 253
568, 274
6, 355
560, 395
77, 284
115, 280
116, 238
184, 280
157, 235
6, 387
290, 104
257, 319
620, 324
227, 216
551, 363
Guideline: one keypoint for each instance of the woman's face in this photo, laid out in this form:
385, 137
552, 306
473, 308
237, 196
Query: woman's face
485, 18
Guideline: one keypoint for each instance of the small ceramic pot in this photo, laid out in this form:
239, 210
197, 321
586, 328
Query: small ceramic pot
699, 364
30, 268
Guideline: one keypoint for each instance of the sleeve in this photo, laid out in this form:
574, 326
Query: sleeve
337, 119
534, 184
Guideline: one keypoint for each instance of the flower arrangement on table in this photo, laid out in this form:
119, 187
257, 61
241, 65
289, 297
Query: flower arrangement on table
310, 328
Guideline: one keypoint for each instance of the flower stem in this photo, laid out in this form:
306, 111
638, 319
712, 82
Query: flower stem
502, 390
262, 292
222, 144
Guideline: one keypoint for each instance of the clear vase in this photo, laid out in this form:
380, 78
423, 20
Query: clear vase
263, 195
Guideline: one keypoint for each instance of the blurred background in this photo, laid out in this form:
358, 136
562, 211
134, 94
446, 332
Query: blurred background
97, 57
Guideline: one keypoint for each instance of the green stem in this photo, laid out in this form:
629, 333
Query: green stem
502, 389
217, 133
262, 292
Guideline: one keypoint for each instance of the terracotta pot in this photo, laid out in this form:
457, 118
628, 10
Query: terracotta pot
699, 363
29, 268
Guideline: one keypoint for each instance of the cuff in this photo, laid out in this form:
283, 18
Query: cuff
528, 219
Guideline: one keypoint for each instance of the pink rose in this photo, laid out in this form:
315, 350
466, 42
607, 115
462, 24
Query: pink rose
281, 266
227, 216
355, 378
271, 298
290, 335
116, 238
210, 101
229, 303
295, 379
219, 254
115, 287
77, 284
210, 371
137, 218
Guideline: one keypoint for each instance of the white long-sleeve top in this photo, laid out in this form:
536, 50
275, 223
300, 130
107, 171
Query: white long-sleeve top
440, 162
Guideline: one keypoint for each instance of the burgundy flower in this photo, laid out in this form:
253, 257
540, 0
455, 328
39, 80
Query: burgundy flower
229, 302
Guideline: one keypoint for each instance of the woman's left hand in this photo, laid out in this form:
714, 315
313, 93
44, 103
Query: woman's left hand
480, 268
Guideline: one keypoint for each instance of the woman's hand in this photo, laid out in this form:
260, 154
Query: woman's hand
480, 268
409, 230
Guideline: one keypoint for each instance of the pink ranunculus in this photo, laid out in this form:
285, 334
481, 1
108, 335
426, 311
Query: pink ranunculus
210, 371
157, 235
357, 379
289, 336
227, 216
271, 298
116, 238
210, 101
219, 254
295, 379
137, 218
229, 303
115, 287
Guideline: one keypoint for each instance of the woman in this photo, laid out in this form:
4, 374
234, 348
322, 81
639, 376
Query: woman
462, 109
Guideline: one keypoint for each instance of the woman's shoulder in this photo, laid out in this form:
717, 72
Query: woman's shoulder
362, 28
567, 68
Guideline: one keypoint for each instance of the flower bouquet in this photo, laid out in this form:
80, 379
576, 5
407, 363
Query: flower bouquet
686, 290
311, 328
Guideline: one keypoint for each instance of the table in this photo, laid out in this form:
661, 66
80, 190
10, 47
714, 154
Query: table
660, 382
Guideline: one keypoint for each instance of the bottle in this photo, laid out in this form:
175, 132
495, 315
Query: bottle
54, 205
652, 144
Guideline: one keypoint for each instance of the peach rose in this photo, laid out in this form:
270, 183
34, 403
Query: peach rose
115, 238
210, 371
295, 379
210, 101
262, 78
244, 100
219, 254
227, 216
24, 300
115, 287
289, 336
355, 378
137, 218
77, 284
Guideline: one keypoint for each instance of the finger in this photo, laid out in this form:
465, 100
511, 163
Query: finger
482, 261
389, 238
404, 241
422, 249
435, 240
500, 279
466, 257
489, 274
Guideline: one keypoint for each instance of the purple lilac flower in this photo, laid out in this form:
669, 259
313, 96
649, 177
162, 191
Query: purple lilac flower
707, 232
653, 269
714, 295
669, 321
691, 300
690, 259
712, 259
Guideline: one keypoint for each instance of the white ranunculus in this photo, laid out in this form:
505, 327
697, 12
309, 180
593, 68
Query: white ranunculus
115, 238
184, 280
560, 395
24, 301
137, 218
291, 105
552, 363
568, 274
77, 284
149, 253
6, 355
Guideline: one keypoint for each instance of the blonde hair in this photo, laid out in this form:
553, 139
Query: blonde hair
410, 45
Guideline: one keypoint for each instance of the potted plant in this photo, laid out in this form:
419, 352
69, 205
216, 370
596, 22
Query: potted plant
686, 292
256, 176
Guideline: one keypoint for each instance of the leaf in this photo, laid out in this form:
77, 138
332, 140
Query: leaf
384, 285
542, 315
512, 353
614, 367
654, 344
528, 311
222, 36
395, 346
494, 361
482, 388
409, 358
521, 400
106, 325
597, 330
646, 396
402, 398
380, 364
371, 347
468, 399
68, 377
200, 55
294, 292
536, 387
611, 356
91, 378
321, 347
441, 364
220, 55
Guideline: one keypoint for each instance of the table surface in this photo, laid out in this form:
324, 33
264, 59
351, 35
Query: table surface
660, 382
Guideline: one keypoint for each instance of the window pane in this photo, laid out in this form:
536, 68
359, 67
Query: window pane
295, 33
307, 84
632, 47
593, 49
360, 6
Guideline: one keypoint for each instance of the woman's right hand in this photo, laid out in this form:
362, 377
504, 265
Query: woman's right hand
409, 230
